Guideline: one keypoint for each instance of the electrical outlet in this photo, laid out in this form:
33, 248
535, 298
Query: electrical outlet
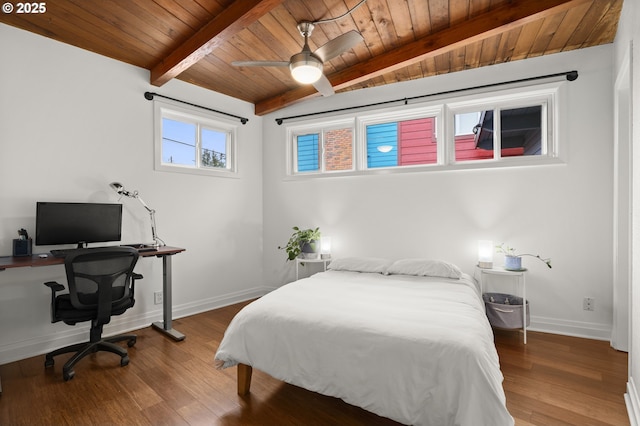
589, 304
157, 298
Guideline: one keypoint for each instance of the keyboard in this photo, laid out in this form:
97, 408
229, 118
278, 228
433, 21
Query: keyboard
62, 253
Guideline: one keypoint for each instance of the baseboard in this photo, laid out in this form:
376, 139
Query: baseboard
122, 324
584, 329
632, 399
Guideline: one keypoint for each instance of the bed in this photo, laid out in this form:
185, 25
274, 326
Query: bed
407, 340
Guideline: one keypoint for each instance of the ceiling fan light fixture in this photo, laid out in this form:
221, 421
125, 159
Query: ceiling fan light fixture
305, 68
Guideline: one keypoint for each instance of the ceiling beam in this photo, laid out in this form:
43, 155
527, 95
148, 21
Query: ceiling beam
236, 17
500, 19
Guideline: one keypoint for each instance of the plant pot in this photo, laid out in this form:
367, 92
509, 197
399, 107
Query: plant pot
310, 250
513, 263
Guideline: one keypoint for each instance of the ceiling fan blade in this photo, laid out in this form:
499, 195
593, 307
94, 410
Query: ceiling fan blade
324, 86
338, 45
260, 63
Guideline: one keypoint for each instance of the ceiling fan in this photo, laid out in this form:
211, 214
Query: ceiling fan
306, 66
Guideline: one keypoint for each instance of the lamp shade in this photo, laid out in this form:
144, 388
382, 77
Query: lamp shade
305, 68
485, 254
325, 247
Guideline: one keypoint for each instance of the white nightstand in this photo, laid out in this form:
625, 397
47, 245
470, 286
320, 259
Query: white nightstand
300, 261
520, 279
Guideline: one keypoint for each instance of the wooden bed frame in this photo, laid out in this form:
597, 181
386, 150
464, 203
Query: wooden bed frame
244, 379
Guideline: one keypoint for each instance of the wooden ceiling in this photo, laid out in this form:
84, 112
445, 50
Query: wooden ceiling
196, 40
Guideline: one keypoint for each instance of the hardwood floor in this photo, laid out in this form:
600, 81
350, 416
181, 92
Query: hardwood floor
553, 380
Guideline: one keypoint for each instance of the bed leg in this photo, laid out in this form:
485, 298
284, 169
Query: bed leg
244, 379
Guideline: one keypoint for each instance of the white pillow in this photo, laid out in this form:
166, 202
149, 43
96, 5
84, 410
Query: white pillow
360, 264
425, 267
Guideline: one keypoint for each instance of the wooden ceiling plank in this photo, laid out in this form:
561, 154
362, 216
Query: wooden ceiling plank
507, 46
568, 25
401, 18
420, 18
506, 17
458, 11
191, 13
489, 51
384, 23
586, 26
527, 35
478, 7
472, 53
547, 31
232, 20
607, 25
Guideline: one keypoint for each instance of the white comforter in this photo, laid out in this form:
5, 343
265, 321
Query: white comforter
418, 350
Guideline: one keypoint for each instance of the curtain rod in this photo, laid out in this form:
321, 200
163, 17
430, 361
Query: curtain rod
570, 75
149, 96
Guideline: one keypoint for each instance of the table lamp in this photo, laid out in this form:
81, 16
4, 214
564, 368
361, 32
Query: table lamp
157, 242
325, 247
485, 254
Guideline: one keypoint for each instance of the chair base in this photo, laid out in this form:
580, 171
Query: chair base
83, 349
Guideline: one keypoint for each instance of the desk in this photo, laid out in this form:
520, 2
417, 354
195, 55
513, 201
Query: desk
164, 326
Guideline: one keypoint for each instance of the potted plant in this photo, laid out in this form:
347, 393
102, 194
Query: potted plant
513, 261
303, 241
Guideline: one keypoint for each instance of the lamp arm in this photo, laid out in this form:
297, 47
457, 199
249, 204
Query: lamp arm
152, 213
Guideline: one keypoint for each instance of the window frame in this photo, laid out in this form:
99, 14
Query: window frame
171, 111
397, 116
318, 127
545, 98
550, 95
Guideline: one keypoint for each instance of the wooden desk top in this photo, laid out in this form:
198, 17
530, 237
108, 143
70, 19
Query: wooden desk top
35, 260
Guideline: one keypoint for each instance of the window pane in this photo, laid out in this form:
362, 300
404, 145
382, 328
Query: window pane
382, 145
520, 131
402, 143
338, 149
466, 122
418, 142
178, 143
307, 151
214, 148
474, 138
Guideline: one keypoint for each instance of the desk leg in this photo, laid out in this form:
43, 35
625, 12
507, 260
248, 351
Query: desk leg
524, 307
165, 326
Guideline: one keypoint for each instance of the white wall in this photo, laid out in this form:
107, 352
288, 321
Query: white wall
560, 211
71, 122
629, 36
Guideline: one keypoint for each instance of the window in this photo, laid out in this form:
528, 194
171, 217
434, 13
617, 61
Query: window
520, 133
189, 142
328, 148
512, 127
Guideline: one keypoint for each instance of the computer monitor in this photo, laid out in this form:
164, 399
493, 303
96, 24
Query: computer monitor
77, 223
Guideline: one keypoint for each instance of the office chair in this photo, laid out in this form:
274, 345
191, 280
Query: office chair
101, 284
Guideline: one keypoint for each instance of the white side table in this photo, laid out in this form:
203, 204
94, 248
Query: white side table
520, 278
300, 261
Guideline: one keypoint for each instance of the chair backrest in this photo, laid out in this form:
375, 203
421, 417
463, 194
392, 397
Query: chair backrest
100, 278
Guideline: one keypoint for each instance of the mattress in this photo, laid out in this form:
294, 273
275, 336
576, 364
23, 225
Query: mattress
416, 349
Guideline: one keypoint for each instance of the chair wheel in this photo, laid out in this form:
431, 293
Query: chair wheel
124, 361
131, 342
68, 375
48, 362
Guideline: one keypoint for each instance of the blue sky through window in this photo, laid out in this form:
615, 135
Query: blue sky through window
179, 142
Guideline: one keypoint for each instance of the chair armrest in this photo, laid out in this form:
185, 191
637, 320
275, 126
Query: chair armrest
54, 286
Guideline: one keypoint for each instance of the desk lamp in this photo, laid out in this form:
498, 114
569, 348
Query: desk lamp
157, 242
